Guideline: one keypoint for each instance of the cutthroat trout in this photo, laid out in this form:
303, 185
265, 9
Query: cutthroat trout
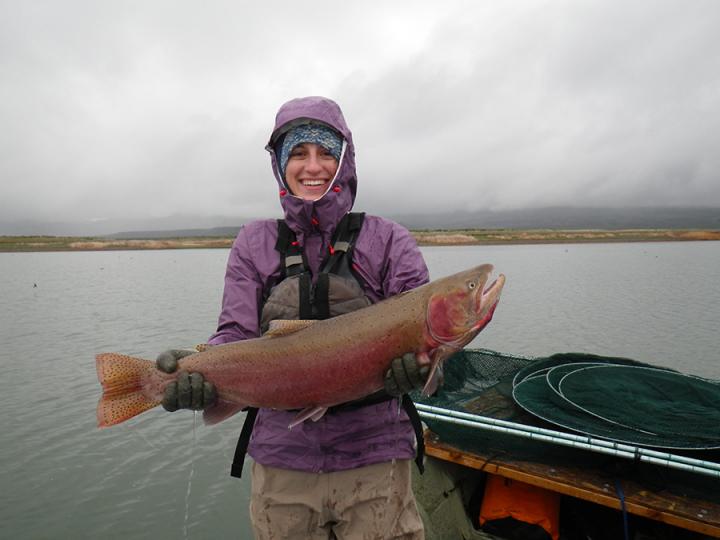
313, 365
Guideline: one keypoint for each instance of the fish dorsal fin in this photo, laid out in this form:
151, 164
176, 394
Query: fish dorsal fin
282, 327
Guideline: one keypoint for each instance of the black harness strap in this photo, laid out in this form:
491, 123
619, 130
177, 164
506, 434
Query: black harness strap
292, 261
243, 442
414, 417
285, 236
342, 245
321, 299
306, 300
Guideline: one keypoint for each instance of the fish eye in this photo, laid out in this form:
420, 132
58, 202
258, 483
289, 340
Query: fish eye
471, 285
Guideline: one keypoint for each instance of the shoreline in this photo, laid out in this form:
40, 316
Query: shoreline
460, 237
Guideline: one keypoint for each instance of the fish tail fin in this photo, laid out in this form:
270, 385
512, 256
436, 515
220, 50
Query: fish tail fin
122, 381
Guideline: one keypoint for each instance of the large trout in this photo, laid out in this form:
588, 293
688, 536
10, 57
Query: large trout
321, 364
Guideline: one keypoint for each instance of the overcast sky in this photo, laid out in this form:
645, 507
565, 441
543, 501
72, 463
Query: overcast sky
157, 108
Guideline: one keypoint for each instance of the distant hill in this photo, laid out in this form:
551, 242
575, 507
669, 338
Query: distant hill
165, 226
533, 218
527, 218
176, 233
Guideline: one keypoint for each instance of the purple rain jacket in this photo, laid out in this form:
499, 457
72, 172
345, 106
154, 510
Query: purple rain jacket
388, 261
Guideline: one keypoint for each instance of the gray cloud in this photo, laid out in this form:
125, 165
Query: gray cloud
150, 109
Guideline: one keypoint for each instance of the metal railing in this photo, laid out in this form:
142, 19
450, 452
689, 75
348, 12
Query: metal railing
602, 446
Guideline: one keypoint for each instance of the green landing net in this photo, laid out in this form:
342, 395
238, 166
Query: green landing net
614, 399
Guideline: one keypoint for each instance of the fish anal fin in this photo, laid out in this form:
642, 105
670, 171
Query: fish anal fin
309, 413
222, 410
282, 327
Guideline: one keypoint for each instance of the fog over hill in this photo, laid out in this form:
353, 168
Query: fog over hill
571, 218
534, 218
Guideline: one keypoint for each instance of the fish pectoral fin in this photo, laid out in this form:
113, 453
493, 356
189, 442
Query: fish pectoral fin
435, 379
308, 413
222, 410
282, 327
436, 359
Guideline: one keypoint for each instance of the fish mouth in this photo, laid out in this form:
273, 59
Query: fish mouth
486, 301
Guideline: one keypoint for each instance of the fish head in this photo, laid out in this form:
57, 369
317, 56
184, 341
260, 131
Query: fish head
461, 305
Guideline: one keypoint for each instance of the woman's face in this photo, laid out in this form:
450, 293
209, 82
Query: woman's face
310, 169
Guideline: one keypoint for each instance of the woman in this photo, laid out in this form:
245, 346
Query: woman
347, 474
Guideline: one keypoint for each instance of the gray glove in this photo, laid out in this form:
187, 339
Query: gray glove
190, 391
405, 374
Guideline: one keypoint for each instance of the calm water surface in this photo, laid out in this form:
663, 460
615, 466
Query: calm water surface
165, 476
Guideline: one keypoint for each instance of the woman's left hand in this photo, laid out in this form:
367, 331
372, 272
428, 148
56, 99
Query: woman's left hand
405, 374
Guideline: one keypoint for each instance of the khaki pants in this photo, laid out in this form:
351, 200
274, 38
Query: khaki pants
373, 502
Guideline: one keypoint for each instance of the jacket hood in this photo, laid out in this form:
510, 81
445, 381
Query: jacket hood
323, 215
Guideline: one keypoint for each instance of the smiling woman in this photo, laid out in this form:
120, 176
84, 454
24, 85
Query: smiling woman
310, 170
309, 155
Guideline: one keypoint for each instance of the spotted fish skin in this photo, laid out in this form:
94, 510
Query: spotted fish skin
315, 366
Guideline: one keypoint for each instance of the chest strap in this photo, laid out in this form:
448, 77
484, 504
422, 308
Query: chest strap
293, 260
314, 297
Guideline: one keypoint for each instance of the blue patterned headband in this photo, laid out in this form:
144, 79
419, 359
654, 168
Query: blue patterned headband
320, 134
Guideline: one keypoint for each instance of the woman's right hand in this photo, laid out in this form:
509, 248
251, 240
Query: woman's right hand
190, 390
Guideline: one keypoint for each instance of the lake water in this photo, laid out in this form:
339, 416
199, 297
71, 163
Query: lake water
165, 476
